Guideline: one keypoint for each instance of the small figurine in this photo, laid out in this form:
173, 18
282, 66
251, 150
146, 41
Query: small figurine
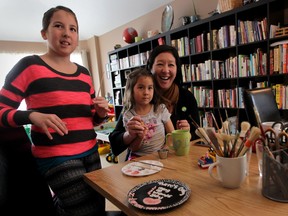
205, 160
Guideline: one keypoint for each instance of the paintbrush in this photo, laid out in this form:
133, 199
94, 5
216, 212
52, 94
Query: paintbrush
226, 139
215, 122
228, 123
221, 120
212, 135
101, 83
254, 134
232, 152
143, 162
225, 127
259, 121
245, 126
193, 122
202, 133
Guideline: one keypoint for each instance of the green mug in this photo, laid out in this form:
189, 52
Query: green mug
181, 141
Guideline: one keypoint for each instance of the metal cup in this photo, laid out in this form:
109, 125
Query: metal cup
163, 153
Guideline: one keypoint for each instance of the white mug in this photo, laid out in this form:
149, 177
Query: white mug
231, 172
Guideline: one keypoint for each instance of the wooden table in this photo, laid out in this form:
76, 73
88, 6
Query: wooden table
208, 197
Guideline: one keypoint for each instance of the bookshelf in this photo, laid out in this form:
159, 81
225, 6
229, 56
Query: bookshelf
220, 55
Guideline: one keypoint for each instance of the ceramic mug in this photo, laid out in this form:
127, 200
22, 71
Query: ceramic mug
181, 141
231, 172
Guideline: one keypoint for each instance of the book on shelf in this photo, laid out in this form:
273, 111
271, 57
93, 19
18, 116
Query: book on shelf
281, 92
273, 29
204, 40
214, 39
186, 73
271, 61
276, 58
279, 56
209, 118
278, 95
232, 32
284, 58
264, 27
186, 46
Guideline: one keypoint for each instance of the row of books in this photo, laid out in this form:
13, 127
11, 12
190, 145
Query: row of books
248, 31
131, 61
230, 98
221, 38
252, 30
281, 95
254, 64
224, 37
203, 95
227, 98
182, 45
233, 98
279, 57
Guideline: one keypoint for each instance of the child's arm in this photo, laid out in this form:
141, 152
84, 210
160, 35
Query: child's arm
169, 127
137, 142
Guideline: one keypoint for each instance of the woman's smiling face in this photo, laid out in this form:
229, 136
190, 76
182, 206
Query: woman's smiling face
164, 69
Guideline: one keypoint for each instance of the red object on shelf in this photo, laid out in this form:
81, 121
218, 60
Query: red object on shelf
129, 35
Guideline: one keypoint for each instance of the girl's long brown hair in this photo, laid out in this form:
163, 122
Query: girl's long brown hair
128, 100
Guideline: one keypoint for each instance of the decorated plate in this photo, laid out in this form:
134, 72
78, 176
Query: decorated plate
142, 169
167, 18
159, 194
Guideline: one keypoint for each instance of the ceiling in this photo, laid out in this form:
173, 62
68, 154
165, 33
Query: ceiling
21, 20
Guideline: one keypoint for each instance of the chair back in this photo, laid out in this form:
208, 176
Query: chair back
21, 183
263, 100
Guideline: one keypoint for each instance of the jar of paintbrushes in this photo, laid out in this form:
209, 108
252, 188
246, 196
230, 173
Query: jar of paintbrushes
231, 151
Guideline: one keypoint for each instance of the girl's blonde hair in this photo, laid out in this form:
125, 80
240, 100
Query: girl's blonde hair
128, 100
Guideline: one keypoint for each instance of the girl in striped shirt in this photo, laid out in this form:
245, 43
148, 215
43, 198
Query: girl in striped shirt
62, 110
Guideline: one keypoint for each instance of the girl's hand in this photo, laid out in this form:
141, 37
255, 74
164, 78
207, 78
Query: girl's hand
101, 106
135, 132
46, 121
183, 125
135, 127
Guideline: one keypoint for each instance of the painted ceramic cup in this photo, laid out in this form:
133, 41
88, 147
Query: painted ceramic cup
181, 141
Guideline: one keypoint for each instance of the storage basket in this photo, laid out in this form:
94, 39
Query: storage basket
226, 5
275, 176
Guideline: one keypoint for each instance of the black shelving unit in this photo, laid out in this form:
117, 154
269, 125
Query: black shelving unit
211, 54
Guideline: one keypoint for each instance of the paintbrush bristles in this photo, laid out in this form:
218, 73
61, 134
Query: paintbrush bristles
225, 145
212, 136
254, 134
245, 126
225, 127
202, 133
